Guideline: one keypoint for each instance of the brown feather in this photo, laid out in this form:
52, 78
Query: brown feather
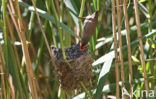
89, 28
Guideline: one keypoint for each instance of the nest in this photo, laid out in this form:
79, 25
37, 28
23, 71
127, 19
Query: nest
81, 67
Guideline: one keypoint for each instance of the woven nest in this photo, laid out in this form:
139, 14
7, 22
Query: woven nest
81, 67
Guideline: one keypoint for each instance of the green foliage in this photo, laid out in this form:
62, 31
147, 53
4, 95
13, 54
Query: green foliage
60, 20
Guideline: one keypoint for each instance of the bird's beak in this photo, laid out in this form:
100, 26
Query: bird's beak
82, 17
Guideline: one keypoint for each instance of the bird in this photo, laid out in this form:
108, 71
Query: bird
88, 29
76, 50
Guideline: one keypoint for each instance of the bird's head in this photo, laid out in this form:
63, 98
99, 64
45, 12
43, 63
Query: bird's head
92, 18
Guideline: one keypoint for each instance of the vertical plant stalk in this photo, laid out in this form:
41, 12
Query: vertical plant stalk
1, 53
16, 26
12, 38
128, 48
150, 15
95, 4
98, 5
59, 32
69, 24
4, 31
61, 10
57, 7
137, 18
32, 16
40, 50
67, 37
85, 89
88, 8
51, 24
152, 67
120, 44
57, 24
2, 73
43, 33
31, 77
115, 47
81, 14
12, 88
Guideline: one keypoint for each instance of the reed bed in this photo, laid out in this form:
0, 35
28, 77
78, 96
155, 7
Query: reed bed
122, 51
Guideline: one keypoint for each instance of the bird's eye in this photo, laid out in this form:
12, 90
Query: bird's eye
89, 18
